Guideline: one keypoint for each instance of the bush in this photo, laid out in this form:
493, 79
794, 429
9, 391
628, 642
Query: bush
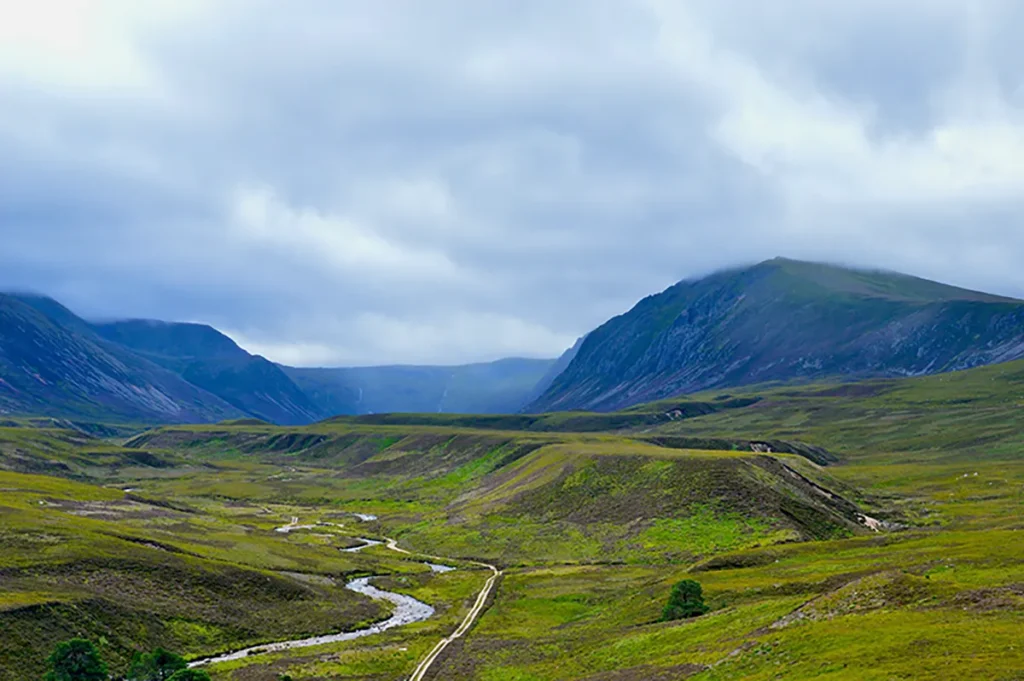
76, 660
686, 600
159, 665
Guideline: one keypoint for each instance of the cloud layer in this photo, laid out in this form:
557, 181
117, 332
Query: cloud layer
342, 182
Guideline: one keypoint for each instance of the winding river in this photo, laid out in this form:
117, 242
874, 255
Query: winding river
407, 611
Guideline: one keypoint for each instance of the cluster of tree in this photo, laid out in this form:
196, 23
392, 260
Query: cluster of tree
78, 660
686, 600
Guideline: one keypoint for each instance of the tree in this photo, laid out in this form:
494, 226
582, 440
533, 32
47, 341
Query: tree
76, 660
686, 600
159, 665
190, 675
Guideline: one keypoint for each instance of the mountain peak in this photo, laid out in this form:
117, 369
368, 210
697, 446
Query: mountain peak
813, 279
171, 339
784, 320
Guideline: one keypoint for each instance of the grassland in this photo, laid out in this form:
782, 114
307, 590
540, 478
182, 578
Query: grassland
592, 528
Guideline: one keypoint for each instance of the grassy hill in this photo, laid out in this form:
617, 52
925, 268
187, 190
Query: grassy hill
589, 497
785, 320
592, 528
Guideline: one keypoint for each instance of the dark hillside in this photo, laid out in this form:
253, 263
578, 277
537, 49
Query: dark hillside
785, 321
52, 367
210, 360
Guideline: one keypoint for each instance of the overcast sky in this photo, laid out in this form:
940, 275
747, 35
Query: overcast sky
358, 182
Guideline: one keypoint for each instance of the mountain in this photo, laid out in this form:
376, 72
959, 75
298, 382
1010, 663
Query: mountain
502, 386
785, 320
210, 360
555, 370
52, 364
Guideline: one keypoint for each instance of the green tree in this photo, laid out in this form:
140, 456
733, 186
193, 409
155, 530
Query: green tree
686, 600
76, 660
190, 675
159, 665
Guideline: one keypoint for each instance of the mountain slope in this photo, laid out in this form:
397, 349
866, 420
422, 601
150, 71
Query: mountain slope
555, 370
785, 320
51, 365
486, 388
207, 358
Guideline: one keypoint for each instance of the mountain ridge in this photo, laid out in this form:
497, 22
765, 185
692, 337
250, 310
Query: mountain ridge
52, 369
207, 358
54, 363
783, 320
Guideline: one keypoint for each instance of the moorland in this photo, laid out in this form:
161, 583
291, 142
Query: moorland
866, 530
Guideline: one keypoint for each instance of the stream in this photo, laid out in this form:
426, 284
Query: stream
407, 610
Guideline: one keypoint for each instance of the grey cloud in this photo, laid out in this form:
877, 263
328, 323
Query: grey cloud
349, 182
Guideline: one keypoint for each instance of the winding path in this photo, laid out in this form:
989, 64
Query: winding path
478, 607
407, 611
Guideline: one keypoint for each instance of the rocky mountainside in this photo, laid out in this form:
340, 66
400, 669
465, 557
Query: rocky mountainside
784, 320
555, 370
51, 364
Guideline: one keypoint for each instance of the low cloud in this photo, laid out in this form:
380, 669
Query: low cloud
354, 183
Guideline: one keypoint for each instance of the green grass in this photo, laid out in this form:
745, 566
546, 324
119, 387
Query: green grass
593, 529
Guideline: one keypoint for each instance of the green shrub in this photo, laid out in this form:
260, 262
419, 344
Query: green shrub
159, 665
686, 600
76, 660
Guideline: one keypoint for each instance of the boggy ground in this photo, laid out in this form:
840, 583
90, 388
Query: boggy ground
591, 529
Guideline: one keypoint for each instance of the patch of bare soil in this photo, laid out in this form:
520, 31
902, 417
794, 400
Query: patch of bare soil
113, 510
986, 600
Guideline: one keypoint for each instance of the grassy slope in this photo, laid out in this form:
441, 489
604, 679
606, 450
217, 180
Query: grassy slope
944, 600
949, 417
518, 497
941, 598
135, 572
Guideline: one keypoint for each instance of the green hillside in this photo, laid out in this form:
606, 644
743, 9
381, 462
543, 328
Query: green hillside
890, 526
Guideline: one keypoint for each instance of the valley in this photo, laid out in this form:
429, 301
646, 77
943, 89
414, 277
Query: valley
641, 340
830, 459
589, 520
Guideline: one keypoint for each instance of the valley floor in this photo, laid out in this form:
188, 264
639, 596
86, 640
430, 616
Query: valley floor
209, 540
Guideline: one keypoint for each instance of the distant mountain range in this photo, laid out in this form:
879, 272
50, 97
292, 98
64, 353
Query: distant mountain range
779, 321
784, 320
497, 387
53, 363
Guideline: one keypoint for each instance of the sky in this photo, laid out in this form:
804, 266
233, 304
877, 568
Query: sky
340, 182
